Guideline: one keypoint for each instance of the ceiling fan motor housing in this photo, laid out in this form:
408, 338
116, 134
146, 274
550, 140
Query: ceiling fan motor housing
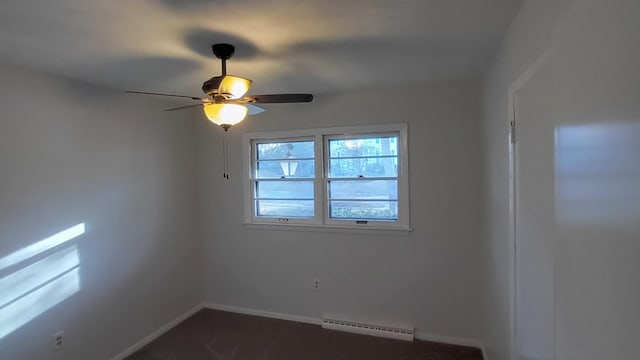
210, 87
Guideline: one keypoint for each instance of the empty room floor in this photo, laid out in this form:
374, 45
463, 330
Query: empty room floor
217, 335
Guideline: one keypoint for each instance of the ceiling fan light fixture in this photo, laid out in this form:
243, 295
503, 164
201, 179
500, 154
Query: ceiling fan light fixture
234, 87
225, 115
226, 102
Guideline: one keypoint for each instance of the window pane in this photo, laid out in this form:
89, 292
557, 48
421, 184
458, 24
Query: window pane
367, 167
364, 189
285, 150
359, 147
364, 210
276, 169
285, 208
285, 189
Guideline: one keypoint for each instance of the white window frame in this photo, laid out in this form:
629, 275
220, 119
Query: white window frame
326, 179
253, 180
321, 137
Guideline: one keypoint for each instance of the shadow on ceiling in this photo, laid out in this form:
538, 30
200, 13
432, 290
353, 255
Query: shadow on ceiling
139, 71
384, 48
188, 4
200, 41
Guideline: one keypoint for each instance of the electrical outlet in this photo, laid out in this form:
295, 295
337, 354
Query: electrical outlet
316, 283
58, 340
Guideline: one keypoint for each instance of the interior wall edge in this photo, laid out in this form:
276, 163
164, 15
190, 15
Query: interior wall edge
157, 333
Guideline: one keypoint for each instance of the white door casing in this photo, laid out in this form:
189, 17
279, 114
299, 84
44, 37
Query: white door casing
533, 214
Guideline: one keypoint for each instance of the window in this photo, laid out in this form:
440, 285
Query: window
362, 177
283, 184
338, 177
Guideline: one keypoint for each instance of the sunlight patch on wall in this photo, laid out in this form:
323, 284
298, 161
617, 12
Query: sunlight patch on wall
21, 282
42, 246
598, 173
35, 303
45, 274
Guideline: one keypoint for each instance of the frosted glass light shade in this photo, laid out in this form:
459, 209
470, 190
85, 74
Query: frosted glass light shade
234, 87
225, 115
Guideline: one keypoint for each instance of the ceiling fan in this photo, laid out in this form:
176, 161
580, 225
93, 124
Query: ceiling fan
225, 103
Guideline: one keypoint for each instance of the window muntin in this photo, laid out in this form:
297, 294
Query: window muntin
362, 181
283, 185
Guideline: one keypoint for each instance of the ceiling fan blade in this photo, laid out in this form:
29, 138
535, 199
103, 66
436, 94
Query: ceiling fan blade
254, 109
282, 98
160, 94
183, 107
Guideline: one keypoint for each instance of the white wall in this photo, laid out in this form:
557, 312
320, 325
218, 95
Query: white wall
597, 86
430, 278
594, 56
72, 153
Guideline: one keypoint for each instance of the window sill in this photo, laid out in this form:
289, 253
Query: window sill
365, 229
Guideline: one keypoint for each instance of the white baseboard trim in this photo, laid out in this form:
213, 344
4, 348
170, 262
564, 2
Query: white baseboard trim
317, 321
157, 333
262, 313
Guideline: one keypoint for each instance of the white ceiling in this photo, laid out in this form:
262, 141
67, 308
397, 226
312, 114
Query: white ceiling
283, 45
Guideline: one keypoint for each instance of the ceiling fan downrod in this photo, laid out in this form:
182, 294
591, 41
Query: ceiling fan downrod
223, 52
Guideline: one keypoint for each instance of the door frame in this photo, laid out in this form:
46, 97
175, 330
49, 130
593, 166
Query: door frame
519, 83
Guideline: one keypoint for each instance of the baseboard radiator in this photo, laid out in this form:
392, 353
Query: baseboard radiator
399, 333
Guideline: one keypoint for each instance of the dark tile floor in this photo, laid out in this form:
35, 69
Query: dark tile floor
217, 335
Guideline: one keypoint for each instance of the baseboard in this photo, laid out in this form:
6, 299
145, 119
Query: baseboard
157, 333
262, 313
317, 321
